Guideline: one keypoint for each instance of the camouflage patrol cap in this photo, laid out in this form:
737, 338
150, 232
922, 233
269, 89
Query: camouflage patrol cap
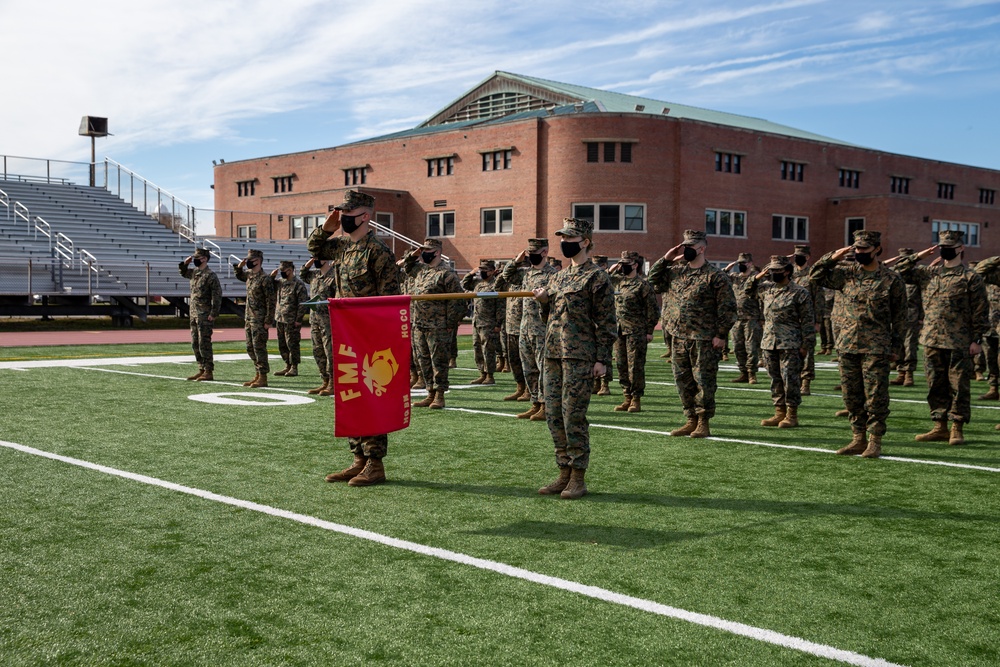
601, 260
487, 264
779, 262
354, 199
906, 251
555, 262
202, 252
693, 237
287, 264
949, 238
254, 253
576, 227
631, 256
536, 245
866, 238
432, 244
745, 257
803, 250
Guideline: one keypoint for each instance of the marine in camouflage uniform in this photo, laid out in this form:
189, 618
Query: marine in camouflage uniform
289, 313
532, 333
701, 311
579, 305
911, 336
433, 321
485, 320
637, 313
801, 258
874, 305
259, 313
364, 266
991, 343
748, 331
829, 297
956, 317
203, 308
321, 288
788, 332
602, 384
512, 336
989, 269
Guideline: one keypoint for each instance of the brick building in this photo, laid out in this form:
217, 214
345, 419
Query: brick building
514, 155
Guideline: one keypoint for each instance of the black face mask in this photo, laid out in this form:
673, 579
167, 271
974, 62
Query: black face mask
251, 263
690, 253
198, 261
288, 274
484, 274
570, 249
863, 258
428, 257
742, 267
800, 260
319, 263
535, 258
948, 254
350, 222
777, 276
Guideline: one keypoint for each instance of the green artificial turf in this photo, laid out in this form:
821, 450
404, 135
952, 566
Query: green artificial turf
891, 559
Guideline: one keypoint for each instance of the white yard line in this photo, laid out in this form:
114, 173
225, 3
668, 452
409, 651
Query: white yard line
741, 629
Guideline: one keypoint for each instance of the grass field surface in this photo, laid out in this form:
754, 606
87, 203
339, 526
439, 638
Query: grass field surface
821, 559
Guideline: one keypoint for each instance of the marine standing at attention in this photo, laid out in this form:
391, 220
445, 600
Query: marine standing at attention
747, 331
364, 266
321, 288
637, 314
289, 313
259, 315
486, 320
203, 308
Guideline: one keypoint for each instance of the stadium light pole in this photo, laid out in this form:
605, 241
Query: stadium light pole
93, 127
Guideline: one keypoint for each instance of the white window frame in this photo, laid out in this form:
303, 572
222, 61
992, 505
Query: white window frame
718, 223
307, 224
497, 221
785, 218
941, 225
246, 231
441, 228
622, 208
384, 218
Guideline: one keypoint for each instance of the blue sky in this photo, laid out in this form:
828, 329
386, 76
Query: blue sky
184, 82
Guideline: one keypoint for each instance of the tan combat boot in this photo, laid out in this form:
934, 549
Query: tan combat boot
261, 381
521, 388
899, 379
502, 366
842, 413
525, 397
625, 405
804, 389
956, 437
791, 419
908, 382
779, 415
348, 473
328, 389
605, 390
453, 363
636, 404
207, 376
874, 448
937, 434
991, 395
374, 473
558, 485
479, 380
197, 376
702, 431
426, 402
540, 415
320, 388
420, 383
413, 378
438, 403
293, 371
688, 428
751, 377
856, 446
489, 380
742, 379
251, 382
535, 407
595, 387
576, 487
284, 371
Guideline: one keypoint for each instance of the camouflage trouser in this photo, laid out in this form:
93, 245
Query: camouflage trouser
991, 346
696, 369
201, 343
256, 335
533, 364
371, 446
746, 344
484, 342
514, 357
667, 340
785, 369
567, 397
864, 379
431, 350
502, 344
809, 365
908, 352
454, 343
319, 328
949, 384
826, 333
630, 357
290, 343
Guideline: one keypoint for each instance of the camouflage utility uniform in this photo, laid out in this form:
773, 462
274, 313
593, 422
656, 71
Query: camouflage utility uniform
433, 321
289, 314
485, 319
259, 314
637, 314
512, 327
989, 269
747, 331
321, 288
802, 277
532, 332
203, 309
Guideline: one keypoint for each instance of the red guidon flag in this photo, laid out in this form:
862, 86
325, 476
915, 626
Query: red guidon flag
371, 364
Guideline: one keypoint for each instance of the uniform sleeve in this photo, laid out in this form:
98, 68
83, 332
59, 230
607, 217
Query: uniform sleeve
897, 302
825, 273
911, 273
241, 275
216, 288
272, 300
185, 270
469, 282
305, 274
322, 244
512, 275
807, 320
386, 273
989, 269
602, 305
750, 286
725, 303
302, 292
411, 266
659, 275
980, 303
652, 310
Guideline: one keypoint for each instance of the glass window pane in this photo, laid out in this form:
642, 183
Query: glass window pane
489, 221
449, 224
433, 225
506, 220
739, 228
775, 226
633, 218
710, 216
609, 151
724, 223
609, 217
789, 228
801, 231
583, 212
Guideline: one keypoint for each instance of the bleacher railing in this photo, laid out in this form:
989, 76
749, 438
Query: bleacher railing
21, 211
148, 197
43, 227
5, 200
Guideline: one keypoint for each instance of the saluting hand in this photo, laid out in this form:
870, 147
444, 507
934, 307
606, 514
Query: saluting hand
332, 222
840, 254
674, 252
926, 252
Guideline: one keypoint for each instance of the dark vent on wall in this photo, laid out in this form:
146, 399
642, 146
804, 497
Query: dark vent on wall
440, 203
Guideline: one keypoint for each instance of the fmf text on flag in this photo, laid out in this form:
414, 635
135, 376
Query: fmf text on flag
371, 364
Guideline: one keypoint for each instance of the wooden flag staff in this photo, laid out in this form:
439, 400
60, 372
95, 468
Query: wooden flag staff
450, 297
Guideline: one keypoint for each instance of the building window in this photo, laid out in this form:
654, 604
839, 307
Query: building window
496, 221
593, 151
725, 223
792, 171
946, 190
970, 229
497, 160
852, 225
282, 184
440, 166
899, 185
355, 176
384, 219
304, 225
246, 188
730, 163
789, 228
626, 151
849, 178
609, 151
613, 217
441, 224
246, 231
987, 196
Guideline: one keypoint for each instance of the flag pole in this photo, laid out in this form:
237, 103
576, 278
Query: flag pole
450, 297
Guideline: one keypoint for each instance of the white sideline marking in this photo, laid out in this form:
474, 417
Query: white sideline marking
759, 634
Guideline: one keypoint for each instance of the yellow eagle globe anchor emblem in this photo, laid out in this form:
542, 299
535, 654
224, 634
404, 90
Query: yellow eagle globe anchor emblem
378, 371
